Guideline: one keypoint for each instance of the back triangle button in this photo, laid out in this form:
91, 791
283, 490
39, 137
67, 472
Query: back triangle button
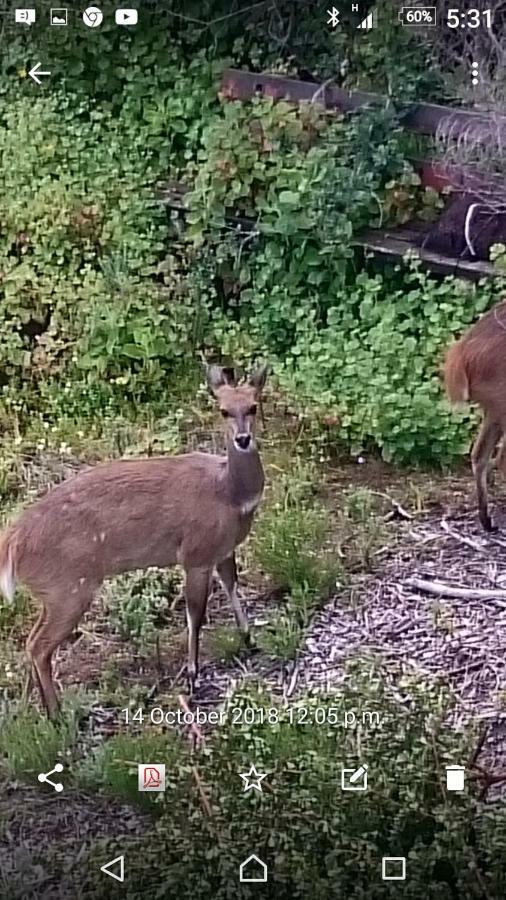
119, 863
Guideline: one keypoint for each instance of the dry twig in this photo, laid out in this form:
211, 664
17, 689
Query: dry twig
448, 590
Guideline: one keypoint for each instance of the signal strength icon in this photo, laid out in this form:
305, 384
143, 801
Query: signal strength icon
369, 22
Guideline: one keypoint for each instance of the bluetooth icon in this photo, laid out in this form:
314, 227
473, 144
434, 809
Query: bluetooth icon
333, 17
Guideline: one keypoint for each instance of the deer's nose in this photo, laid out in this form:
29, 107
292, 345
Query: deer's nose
243, 441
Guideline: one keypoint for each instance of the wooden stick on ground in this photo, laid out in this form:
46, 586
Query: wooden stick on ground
449, 590
461, 538
193, 727
202, 793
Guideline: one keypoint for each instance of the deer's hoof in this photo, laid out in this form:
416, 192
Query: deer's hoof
250, 643
192, 683
487, 524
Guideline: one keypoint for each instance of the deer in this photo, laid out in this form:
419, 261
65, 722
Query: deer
191, 510
475, 372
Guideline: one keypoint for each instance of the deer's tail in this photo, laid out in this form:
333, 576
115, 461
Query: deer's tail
7, 565
455, 375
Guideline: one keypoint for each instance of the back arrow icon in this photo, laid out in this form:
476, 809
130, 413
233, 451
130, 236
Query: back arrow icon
118, 876
35, 71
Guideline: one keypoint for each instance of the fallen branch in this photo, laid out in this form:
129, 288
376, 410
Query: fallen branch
448, 590
489, 779
293, 680
193, 727
462, 539
397, 510
202, 793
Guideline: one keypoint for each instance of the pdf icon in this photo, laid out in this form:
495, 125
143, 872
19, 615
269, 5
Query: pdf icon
151, 777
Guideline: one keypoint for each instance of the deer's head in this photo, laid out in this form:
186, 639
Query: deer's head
237, 402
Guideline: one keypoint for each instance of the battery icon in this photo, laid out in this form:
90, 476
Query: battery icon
417, 16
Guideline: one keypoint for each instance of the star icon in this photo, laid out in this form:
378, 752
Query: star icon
252, 779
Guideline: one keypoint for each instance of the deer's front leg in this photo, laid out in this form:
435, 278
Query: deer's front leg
227, 571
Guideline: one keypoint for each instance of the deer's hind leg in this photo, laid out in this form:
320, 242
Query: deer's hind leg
31, 674
481, 454
60, 615
197, 592
227, 571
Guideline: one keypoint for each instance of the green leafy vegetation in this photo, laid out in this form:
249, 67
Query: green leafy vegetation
139, 604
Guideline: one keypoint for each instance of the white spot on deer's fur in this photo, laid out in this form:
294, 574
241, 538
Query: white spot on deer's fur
250, 506
102, 536
95, 538
82, 580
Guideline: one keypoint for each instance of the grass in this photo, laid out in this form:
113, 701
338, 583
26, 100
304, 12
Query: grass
30, 743
224, 642
14, 615
358, 529
140, 603
307, 546
112, 767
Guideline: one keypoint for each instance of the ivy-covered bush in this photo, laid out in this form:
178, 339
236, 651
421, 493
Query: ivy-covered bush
101, 295
88, 282
374, 371
351, 345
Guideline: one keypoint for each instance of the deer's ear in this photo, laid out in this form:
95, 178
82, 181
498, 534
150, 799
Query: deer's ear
218, 377
258, 378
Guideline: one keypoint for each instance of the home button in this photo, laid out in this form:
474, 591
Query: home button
253, 870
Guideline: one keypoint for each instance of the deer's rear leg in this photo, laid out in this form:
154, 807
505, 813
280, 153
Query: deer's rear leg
59, 617
227, 571
481, 454
197, 592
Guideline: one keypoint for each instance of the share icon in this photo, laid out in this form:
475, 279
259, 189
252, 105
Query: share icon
44, 777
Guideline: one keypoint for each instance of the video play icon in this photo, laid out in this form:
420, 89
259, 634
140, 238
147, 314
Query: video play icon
126, 17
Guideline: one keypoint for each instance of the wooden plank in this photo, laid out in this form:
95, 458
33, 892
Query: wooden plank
393, 246
390, 243
420, 117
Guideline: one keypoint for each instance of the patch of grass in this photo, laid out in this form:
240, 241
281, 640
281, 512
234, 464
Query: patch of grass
359, 529
224, 642
442, 617
138, 604
112, 767
292, 546
290, 542
283, 635
30, 743
14, 615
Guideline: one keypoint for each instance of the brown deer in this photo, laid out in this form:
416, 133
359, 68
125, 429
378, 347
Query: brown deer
193, 510
475, 371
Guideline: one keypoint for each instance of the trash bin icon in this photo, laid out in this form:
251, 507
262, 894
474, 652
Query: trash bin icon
455, 777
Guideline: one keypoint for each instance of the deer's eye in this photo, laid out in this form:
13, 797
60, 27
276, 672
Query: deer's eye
252, 410
225, 413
